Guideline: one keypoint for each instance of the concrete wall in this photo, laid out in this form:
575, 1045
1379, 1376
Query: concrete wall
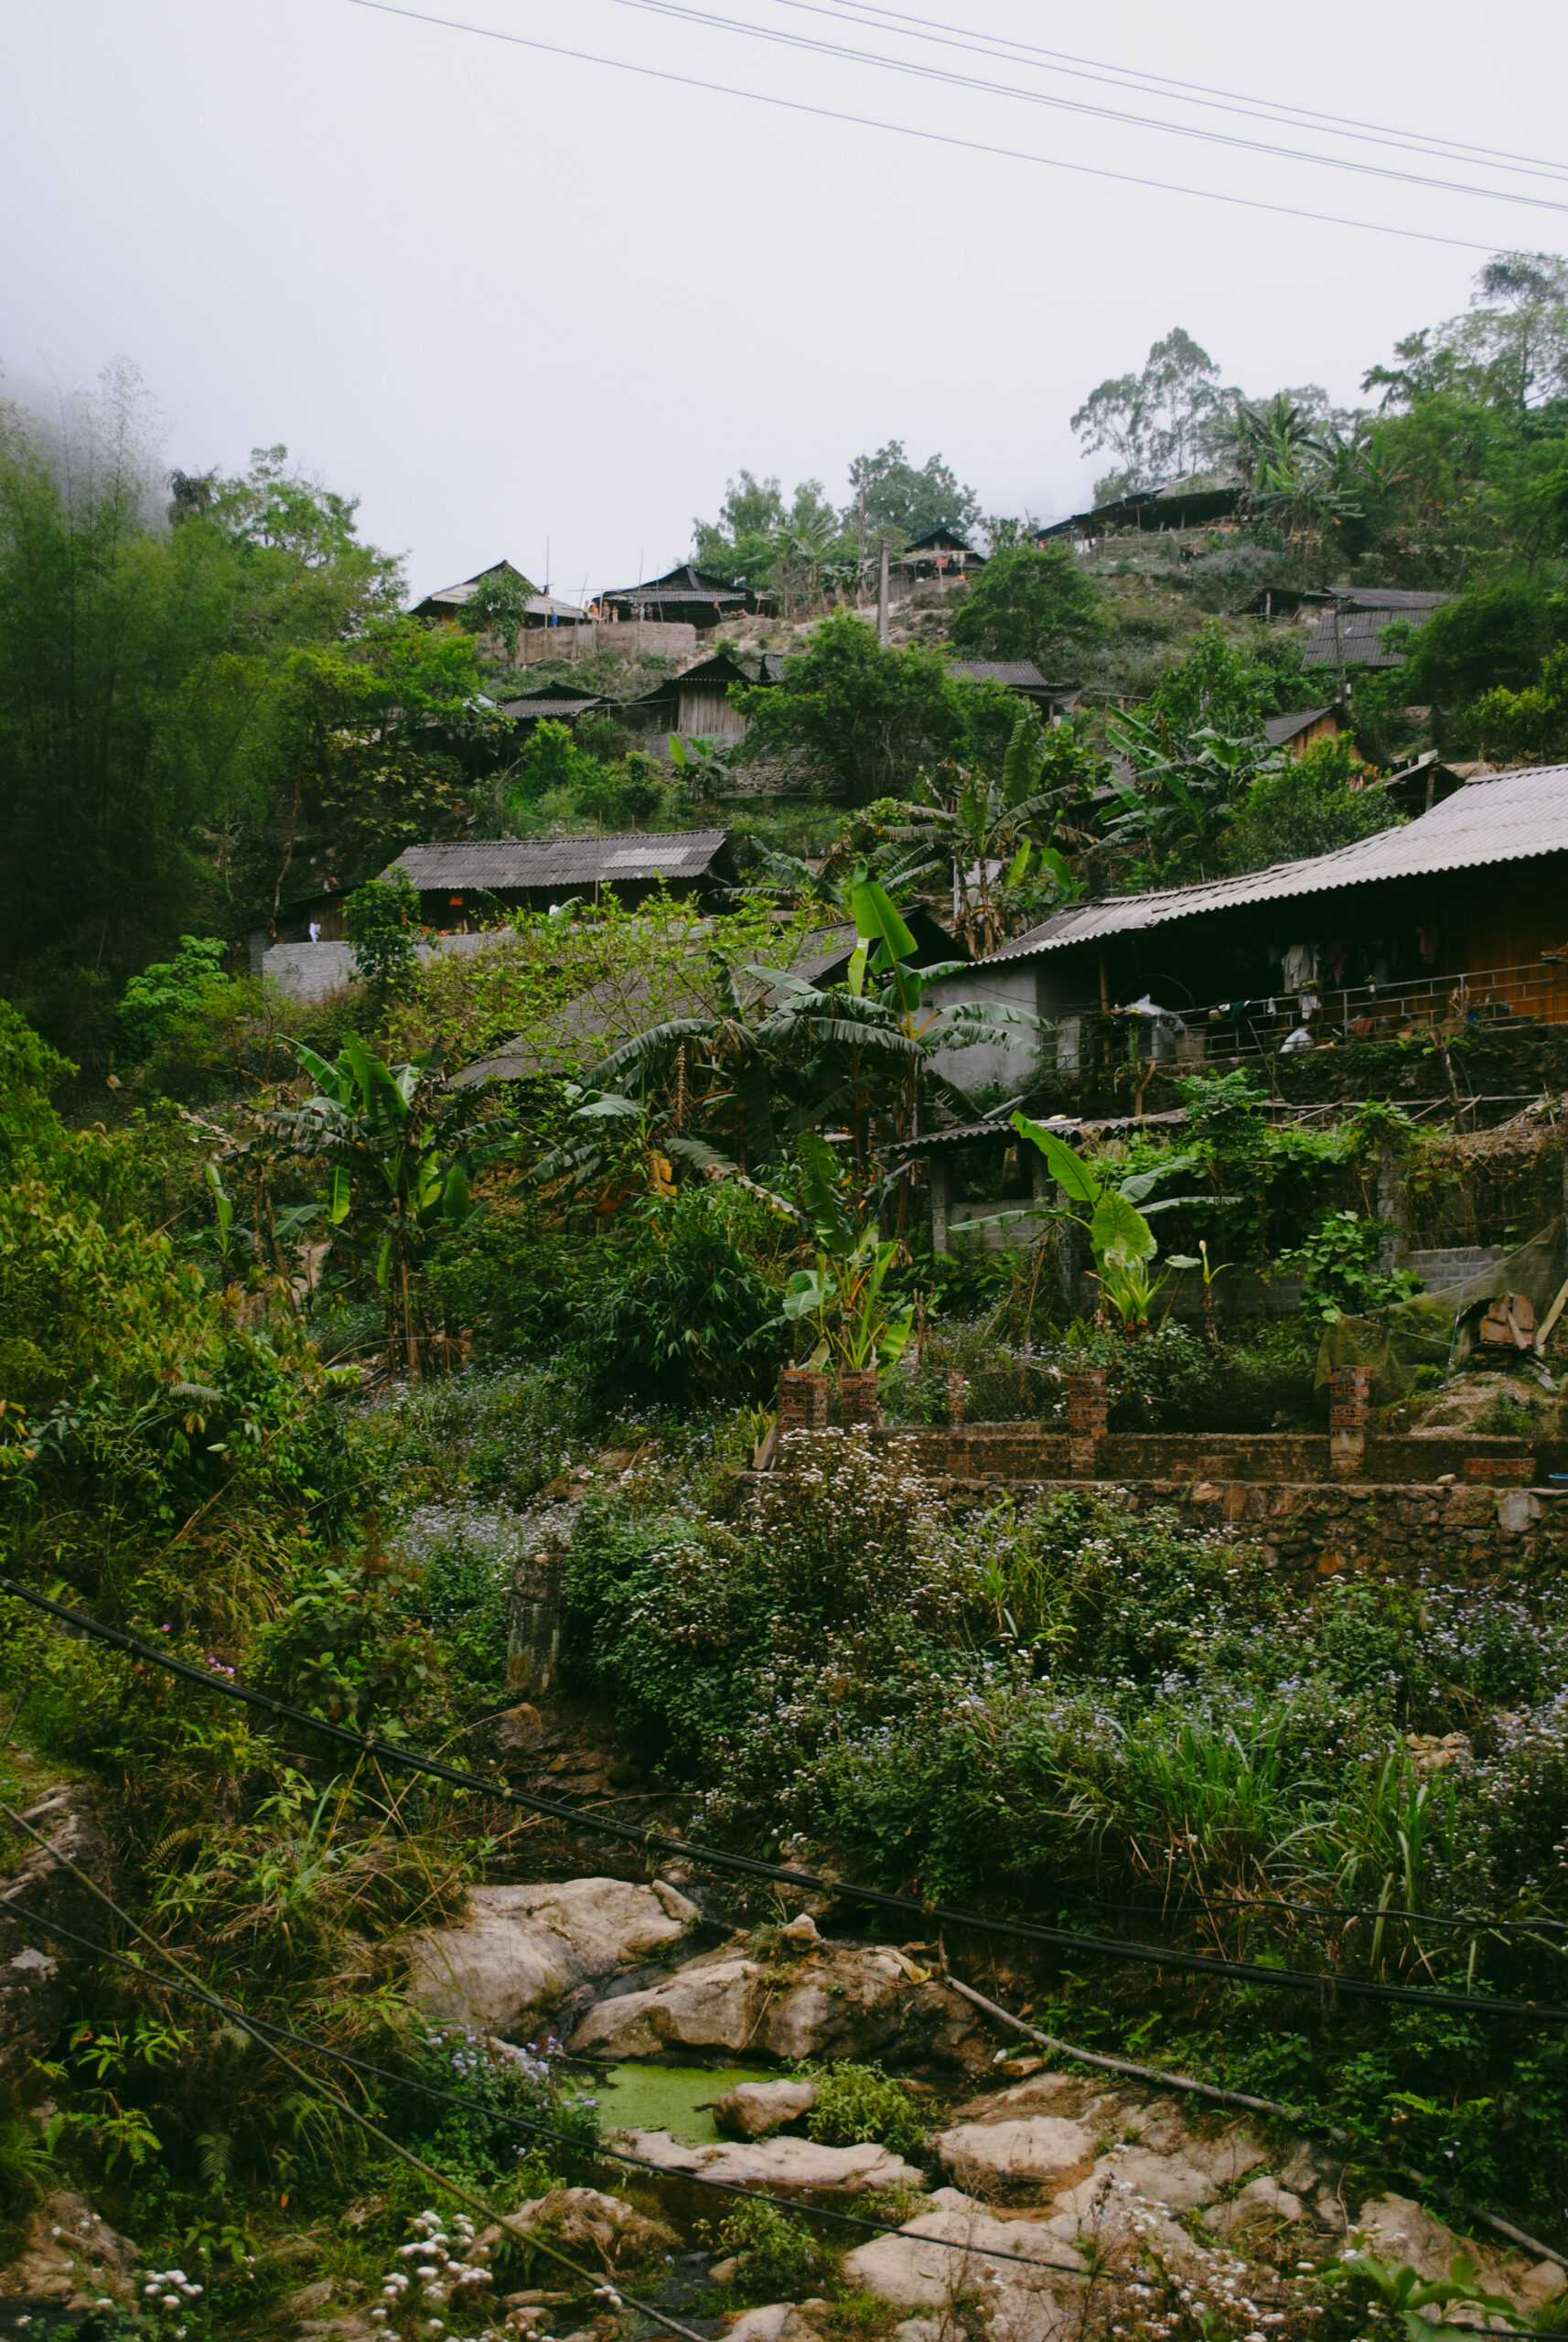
1036, 1452
1007, 1063
632, 638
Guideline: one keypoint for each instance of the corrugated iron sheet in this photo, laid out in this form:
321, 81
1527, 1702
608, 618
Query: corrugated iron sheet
502, 865
1495, 818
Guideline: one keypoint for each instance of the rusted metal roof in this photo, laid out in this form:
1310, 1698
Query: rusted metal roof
513, 866
687, 584
1019, 674
1497, 818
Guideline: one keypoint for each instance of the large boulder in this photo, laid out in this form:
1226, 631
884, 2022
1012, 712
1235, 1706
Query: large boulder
947, 2251
71, 2255
785, 2163
752, 2109
840, 2000
520, 1950
581, 2218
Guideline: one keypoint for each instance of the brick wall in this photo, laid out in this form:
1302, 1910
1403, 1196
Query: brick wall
1032, 1452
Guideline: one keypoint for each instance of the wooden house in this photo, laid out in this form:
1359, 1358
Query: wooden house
940, 552
1303, 728
1020, 675
687, 594
465, 884
543, 610
1202, 501
696, 705
1453, 917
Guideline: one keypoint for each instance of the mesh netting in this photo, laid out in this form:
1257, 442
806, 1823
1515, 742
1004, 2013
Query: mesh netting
1439, 1328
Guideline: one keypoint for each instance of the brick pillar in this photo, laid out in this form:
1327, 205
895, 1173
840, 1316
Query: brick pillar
957, 1394
859, 1402
802, 1399
1086, 1405
1350, 1403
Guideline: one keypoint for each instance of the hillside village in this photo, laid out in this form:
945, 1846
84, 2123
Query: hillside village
783, 1428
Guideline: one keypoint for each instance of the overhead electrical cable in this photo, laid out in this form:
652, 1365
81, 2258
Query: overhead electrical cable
679, 13
928, 137
1134, 79
1326, 1984
500, 2117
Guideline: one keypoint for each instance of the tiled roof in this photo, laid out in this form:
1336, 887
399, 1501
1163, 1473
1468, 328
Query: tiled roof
686, 584
507, 866
1498, 818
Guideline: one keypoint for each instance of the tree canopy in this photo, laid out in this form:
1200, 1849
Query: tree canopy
1030, 602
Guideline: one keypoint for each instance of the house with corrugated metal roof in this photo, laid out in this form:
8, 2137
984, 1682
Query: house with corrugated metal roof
696, 704
1455, 916
1353, 617
1020, 675
464, 884
688, 595
540, 610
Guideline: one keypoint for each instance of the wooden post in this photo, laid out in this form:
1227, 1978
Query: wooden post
939, 1202
882, 599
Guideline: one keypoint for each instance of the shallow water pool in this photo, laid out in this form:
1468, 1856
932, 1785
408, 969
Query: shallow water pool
677, 2098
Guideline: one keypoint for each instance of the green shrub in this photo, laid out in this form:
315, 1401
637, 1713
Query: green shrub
857, 2102
779, 2255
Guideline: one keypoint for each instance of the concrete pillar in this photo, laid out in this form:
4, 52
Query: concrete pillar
1391, 1211
939, 1176
533, 1637
1086, 1412
1350, 1403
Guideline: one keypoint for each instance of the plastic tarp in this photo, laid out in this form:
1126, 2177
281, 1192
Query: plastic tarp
1439, 1327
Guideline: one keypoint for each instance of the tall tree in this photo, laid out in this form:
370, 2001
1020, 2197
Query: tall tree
905, 500
1030, 602
1160, 424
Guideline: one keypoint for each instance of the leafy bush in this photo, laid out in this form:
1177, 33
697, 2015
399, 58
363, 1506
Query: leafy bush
681, 1304
779, 2255
1340, 1273
856, 2102
381, 921
1306, 807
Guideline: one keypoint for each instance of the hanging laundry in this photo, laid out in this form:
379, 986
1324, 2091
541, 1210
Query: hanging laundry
1300, 966
1336, 956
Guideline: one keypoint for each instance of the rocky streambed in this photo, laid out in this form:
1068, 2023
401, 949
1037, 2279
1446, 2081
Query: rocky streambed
1010, 2199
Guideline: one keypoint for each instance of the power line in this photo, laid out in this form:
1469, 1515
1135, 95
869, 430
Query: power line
1326, 1984
1200, 93
499, 2117
929, 137
946, 78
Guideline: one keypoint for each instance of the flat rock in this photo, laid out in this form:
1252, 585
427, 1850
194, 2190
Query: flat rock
519, 1949
781, 2163
840, 2000
1396, 2229
943, 2254
1046, 2148
752, 2108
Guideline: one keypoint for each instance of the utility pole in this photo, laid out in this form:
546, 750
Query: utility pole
882, 599
859, 557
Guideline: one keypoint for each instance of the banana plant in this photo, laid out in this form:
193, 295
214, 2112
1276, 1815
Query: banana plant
842, 1294
400, 1153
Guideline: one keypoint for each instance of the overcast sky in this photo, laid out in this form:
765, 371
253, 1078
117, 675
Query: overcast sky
505, 296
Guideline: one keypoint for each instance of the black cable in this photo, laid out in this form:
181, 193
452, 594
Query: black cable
907, 130
949, 79
1145, 84
502, 2120
1326, 1983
